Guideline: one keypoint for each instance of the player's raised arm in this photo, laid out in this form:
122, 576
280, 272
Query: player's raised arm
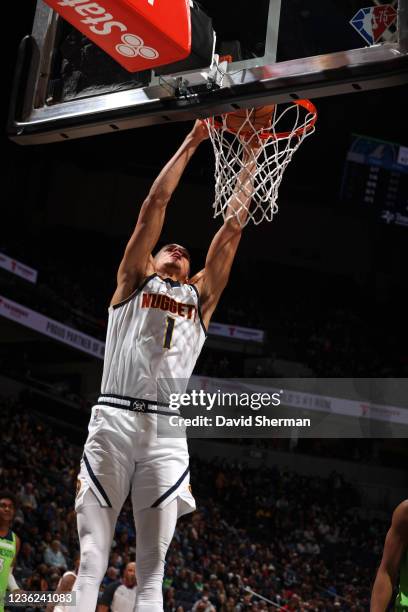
396, 544
213, 279
136, 260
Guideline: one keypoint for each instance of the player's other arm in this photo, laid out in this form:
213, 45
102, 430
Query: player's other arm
137, 262
396, 543
18, 546
212, 280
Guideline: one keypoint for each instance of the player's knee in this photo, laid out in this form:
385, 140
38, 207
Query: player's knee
152, 558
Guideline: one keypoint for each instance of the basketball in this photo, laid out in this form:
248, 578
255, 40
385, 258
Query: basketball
259, 118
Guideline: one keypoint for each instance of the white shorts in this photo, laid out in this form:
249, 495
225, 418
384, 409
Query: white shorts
123, 453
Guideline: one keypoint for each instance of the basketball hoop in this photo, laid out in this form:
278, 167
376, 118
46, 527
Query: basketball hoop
272, 144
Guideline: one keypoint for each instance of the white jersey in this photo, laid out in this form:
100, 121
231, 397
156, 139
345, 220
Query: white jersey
156, 333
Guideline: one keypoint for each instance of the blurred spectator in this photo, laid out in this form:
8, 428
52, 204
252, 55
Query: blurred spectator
203, 605
120, 596
112, 575
53, 555
26, 559
27, 496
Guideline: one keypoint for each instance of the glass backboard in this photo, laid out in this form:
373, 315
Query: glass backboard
66, 87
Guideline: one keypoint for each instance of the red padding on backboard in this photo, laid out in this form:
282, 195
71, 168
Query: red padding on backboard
138, 34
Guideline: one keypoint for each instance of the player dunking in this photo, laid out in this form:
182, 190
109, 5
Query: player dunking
156, 329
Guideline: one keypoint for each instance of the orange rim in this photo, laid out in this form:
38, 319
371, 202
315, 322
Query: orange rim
266, 133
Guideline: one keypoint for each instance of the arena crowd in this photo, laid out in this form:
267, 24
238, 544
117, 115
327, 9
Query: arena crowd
336, 335
297, 541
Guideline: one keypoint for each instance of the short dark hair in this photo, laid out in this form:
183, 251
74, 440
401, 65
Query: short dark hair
10, 496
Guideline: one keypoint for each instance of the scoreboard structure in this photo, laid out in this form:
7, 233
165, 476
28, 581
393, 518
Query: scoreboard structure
376, 178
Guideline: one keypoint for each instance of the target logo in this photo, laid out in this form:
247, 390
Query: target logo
133, 45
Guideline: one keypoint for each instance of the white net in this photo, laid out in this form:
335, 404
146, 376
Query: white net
250, 161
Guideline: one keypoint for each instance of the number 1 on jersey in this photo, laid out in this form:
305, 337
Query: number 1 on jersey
168, 334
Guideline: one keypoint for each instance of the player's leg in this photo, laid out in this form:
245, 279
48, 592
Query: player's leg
154, 532
96, 526
103, 485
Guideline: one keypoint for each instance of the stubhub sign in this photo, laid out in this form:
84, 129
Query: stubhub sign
138, 34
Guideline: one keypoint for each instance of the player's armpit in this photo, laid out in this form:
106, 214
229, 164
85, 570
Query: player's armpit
197, 279
102, 608
127, 284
